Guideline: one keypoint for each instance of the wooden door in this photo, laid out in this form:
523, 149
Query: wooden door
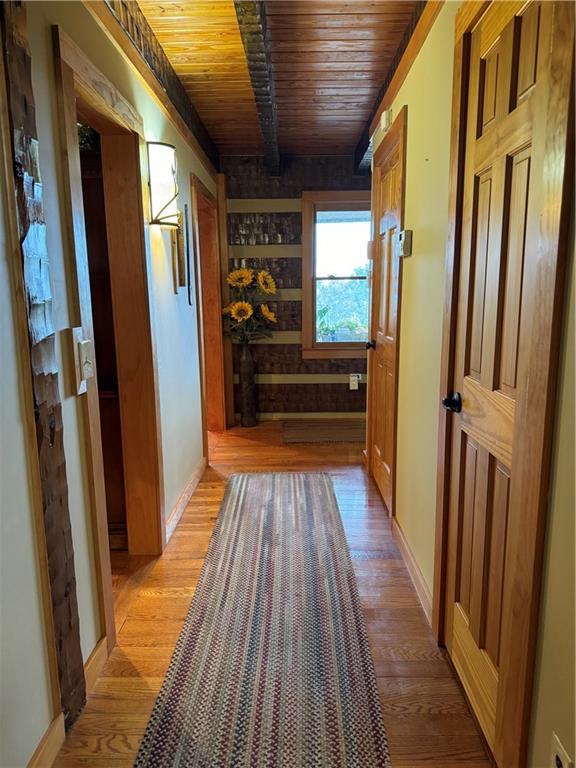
388, 202
205, 212
517, 132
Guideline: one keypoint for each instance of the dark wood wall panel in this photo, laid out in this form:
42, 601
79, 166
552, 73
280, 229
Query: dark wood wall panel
289, 314
248, 177
307, 398
286, 272
287, 358
264, 228
47, 405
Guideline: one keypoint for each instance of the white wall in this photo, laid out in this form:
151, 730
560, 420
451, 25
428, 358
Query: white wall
25, 688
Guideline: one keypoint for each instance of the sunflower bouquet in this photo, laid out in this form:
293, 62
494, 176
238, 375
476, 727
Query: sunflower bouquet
248, 314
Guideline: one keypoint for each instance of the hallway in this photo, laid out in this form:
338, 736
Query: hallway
425, 713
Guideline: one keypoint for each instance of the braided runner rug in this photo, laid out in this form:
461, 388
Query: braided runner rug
273, 667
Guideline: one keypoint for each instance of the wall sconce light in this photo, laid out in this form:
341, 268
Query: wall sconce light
163, 184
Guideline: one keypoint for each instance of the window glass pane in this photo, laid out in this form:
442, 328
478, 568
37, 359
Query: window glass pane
341, 310
341, 243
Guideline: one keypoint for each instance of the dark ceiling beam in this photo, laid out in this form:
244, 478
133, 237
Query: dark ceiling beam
252, 22
136, 27
363, 151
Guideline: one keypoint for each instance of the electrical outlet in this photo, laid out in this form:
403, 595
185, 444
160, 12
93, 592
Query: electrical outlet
559, 758
354, 380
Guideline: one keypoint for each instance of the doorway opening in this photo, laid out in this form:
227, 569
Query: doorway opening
112, 341
104, 341
209, 285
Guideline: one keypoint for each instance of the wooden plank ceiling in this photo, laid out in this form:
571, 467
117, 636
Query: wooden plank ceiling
330, 60
329, 57
202, 41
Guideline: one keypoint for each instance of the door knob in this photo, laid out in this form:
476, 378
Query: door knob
371, 344
453, 402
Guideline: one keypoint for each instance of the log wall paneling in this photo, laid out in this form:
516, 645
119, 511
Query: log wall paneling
45, 375
264, 228
260, 231
287, 272
287, 358
247, 177
288, 314
307, 398
264, 222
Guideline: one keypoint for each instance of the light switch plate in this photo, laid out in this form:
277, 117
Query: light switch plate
79, 386
559, 758
405, 242
86, 355
354, 380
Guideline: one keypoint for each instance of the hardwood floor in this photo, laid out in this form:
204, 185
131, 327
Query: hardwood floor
425, 712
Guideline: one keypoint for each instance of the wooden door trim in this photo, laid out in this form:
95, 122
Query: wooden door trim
525, 548
396, 137
199, 189
452, 275
195, 187
224, 269
78, 81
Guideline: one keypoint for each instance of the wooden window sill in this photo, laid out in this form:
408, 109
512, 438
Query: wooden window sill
334, 353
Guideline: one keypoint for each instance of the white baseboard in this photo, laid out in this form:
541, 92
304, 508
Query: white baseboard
45, 753
420, 585
180, 506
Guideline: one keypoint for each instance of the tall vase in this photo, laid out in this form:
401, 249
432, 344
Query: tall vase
247, 387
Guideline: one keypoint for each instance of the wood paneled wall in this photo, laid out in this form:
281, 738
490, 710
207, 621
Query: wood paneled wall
265, 232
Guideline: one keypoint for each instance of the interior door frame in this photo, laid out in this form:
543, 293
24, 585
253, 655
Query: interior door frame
396, 137
81, 86
526, 551
198, 190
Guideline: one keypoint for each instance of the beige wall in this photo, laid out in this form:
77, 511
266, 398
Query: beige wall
427, 92
25, 717
429, 100
553, 706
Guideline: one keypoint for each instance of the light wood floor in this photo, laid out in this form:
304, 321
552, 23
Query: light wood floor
426, 715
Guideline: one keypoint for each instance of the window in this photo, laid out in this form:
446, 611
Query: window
336, 231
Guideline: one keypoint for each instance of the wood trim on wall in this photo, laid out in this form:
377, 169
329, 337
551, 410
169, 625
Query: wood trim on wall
26, 393
423, 27
135, 353
209, 279
47, 750
74, 224
180, 506
32, 270
224, 267
101, 14
310, 348
397, 136
95, 663
199, 314
420, 585
81, 87
452, 274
